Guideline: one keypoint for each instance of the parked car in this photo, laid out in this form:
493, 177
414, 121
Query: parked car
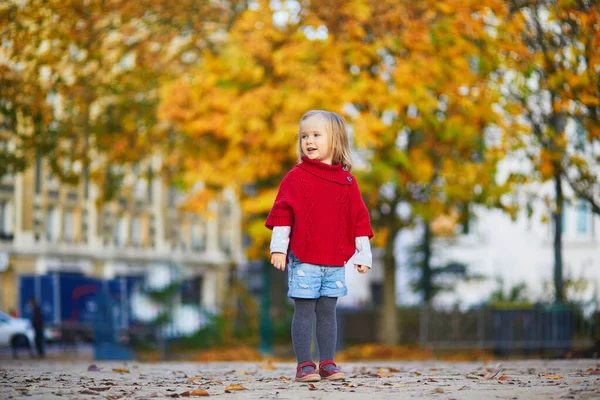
18, 332
15, 332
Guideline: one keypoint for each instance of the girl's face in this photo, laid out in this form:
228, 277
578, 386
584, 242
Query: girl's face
314, 140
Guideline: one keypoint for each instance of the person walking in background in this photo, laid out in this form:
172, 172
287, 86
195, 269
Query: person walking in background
37, 322
320, 224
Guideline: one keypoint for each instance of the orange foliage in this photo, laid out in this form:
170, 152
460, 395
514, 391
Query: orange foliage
228, 354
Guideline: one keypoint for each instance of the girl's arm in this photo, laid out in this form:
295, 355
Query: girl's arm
363, 255
280, 239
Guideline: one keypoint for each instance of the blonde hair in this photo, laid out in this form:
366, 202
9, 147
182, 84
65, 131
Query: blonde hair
337, 135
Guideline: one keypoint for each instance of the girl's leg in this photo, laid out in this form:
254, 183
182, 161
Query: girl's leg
326, 327
302, 325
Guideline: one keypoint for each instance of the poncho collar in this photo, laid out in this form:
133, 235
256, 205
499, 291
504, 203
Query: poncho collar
334, 173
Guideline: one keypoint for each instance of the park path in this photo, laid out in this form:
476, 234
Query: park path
528, 379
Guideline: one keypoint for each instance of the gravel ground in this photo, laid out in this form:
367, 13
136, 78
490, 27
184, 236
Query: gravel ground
531, 379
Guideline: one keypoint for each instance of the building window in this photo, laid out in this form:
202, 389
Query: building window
150, 177
198, 236
52, 225
68, 226
583, 217
580, 137
140, 189
120, 232
171, 195
38, 174
136, 231
6, 219
191, 291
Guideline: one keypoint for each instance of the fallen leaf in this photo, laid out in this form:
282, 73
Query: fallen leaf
121, 370
504, 378
285, 378
394, 370
552, 376
195, 378
99, 389
93, 368
236, 386
438, 390
434, 369
199, 392
311, 387
87, 391
417, 373
492, 374
268, 366
385, 375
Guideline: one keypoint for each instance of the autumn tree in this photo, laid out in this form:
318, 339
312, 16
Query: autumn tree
79, 80
411, 78
236, 117
551, 77
423, 113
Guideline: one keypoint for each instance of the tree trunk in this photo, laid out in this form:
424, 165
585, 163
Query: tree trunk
427, 276
388, 320
559, 289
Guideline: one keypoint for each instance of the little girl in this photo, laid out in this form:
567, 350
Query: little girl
320, 224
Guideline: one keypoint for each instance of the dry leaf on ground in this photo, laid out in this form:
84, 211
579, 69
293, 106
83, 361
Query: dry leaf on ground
236, 386
268, 366
121, 370
552, 376
87, 391
199, 392
492, 374
311, 387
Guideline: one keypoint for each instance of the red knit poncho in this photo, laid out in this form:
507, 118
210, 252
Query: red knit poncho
324, 207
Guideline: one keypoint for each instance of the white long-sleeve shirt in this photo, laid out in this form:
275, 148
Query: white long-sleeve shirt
280, 240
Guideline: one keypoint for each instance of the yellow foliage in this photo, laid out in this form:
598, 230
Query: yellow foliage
229, 354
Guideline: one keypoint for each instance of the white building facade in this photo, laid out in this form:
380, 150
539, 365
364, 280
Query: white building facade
46, 227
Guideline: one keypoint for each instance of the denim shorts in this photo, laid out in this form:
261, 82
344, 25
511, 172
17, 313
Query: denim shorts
310, 281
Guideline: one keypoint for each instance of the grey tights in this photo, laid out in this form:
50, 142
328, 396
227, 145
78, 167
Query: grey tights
305, 311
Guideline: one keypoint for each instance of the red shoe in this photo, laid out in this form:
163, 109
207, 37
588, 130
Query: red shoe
330, 374
307, 376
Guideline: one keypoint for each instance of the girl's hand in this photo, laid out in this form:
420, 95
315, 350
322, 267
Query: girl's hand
363, 269
278, 260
